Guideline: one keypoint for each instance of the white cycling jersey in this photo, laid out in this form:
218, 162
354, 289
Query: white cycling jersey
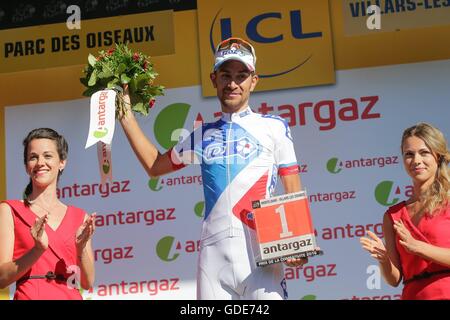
241, 156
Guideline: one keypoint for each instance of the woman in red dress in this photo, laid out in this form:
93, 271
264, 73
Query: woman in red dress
417, 231
45, 245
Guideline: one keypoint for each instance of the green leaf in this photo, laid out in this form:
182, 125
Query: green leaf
133, 86
120, 69
154, 91
139, 108
112, 83
92, 60
141, 81
105, 73
92, 79
124, 78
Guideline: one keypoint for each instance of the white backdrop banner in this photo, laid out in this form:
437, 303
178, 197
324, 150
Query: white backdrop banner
347, 140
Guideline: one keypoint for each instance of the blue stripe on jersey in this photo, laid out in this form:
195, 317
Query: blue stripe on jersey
225, 151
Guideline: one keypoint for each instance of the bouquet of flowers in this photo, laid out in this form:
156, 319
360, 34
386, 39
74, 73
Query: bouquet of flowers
119, 68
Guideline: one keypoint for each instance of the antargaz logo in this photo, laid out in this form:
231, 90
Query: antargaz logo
164, 248
167, 122
168, 248
385, 191
154, 184
333, 166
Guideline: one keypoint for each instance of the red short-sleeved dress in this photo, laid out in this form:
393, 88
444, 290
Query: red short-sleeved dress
434, 230
58, 258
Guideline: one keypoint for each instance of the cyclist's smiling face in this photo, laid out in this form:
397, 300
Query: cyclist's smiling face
233, 82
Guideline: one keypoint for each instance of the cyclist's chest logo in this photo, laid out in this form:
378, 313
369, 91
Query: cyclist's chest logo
238, 150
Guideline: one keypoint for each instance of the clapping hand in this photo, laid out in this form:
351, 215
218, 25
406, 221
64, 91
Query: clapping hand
38, 233
406, 239
374, 246
85, 232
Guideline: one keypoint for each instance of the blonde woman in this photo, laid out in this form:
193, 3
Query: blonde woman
417, 231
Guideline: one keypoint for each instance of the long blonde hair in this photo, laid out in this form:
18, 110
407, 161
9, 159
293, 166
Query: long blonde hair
438, 194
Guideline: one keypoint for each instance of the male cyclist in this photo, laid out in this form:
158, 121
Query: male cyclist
241, 156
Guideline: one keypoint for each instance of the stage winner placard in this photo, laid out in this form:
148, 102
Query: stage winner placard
284, 228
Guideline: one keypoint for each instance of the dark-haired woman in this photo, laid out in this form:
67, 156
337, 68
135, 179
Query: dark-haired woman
45, 245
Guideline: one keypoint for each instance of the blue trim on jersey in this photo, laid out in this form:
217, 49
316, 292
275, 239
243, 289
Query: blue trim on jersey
286, 125
287, 165
273, 181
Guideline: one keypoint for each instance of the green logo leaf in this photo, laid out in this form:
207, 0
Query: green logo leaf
154, 184
100, 133
199, 209
163, 248
332, 165
383, 192
168, 120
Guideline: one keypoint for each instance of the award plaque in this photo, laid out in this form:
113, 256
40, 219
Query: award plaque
284, 229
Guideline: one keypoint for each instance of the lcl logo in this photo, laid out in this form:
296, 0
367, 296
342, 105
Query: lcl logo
254, 34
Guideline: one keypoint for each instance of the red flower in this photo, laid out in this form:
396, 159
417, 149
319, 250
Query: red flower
151, 103
136, 56
99, 58
145, 65
111, 51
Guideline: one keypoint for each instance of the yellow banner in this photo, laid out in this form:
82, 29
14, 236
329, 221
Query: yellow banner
373, 49
363, 17
55, 45
292, 39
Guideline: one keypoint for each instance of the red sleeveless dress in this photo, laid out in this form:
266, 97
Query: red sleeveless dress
60, 255
434, 230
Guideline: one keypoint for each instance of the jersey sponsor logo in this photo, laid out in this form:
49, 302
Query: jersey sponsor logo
242, 148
